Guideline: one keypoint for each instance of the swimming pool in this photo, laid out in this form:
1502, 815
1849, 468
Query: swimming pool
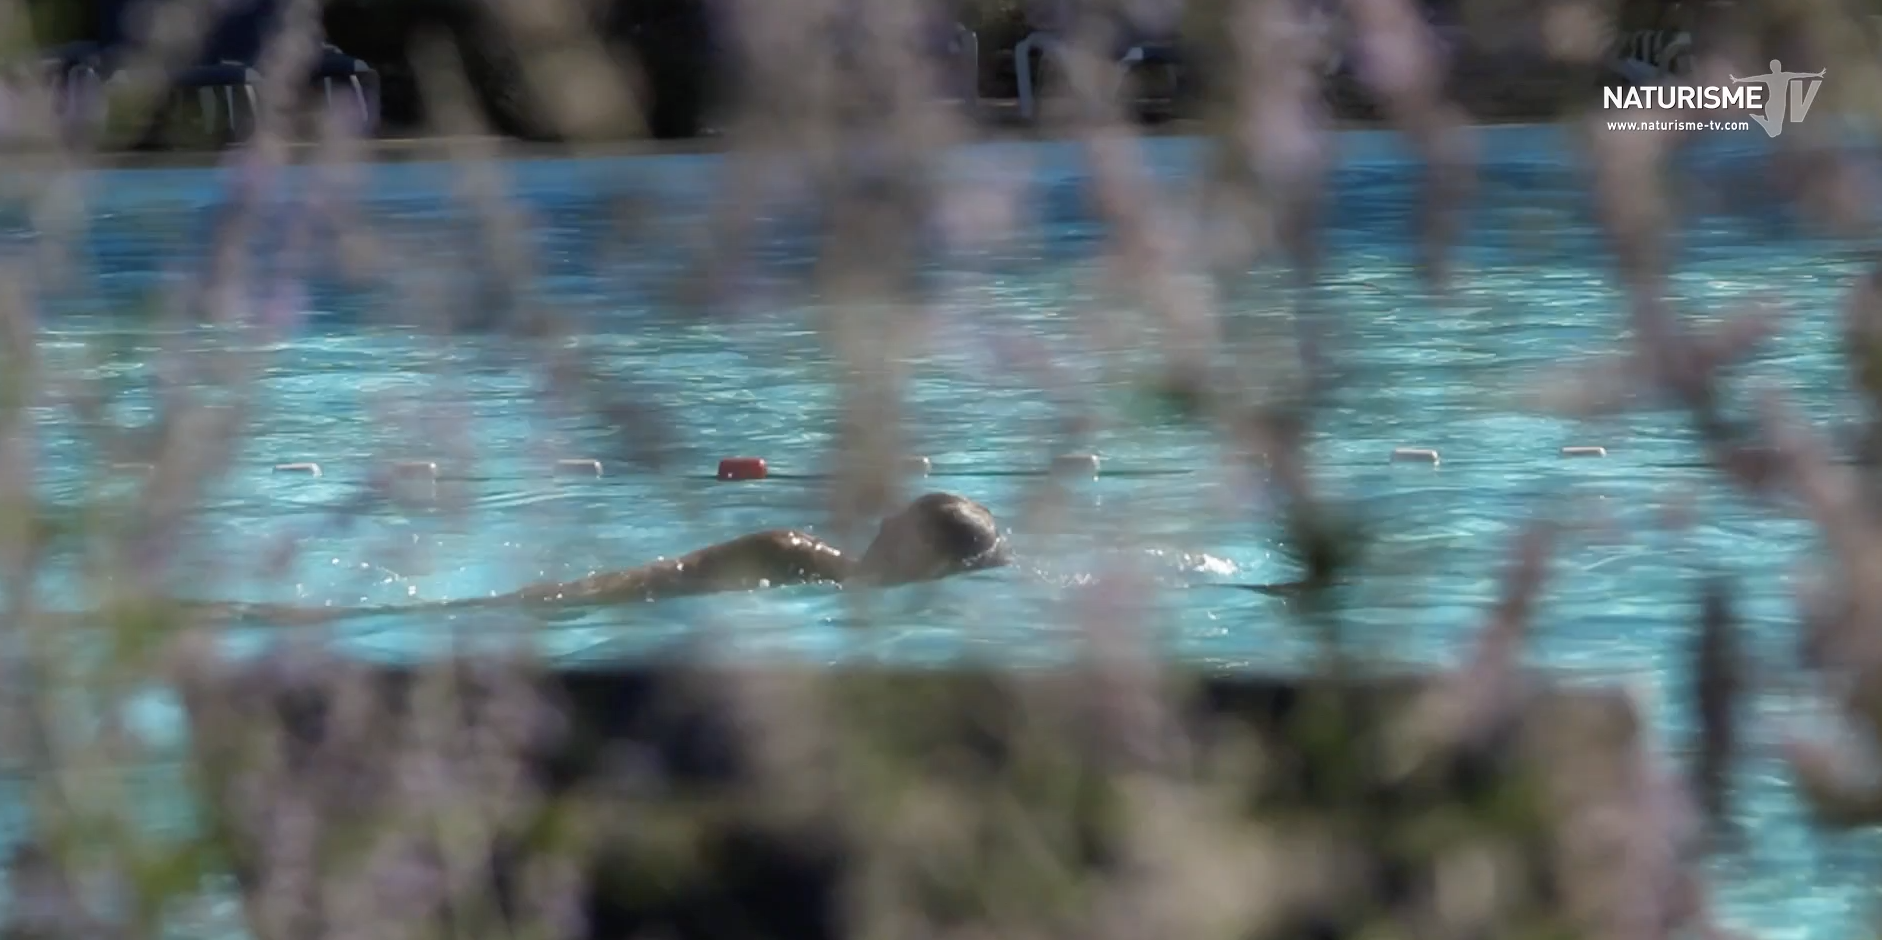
359, 383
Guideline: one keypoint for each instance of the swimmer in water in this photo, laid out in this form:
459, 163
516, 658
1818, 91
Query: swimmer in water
937, 535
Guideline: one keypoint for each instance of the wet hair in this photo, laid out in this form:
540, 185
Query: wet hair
937, 535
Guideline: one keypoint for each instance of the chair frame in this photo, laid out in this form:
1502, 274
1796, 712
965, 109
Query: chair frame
86, 75
967, 48
1052, 44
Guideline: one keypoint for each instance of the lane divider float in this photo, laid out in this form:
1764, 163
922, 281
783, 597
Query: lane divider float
415, 470
743, 468
578, 467
1076, 465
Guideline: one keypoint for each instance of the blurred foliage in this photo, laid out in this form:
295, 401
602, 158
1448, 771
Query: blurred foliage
1111, 797
962, 801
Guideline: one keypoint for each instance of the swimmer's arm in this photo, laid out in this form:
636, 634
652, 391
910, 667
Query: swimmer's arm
276, 615
763, 559
1280, 589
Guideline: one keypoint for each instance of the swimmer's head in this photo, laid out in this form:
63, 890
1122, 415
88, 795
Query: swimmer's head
937, 535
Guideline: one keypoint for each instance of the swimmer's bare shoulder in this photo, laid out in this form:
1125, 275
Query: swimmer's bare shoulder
771, 558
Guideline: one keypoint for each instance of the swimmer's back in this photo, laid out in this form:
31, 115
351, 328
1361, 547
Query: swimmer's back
772, 558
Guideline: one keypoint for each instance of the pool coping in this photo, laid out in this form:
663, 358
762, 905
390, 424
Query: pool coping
1355, 145
424, 149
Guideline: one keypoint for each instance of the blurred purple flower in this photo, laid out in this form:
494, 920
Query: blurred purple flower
250, 177
282, 310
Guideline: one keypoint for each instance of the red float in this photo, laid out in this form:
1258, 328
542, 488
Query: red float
743, 468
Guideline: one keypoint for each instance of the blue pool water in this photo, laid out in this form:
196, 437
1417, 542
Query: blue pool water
359, 382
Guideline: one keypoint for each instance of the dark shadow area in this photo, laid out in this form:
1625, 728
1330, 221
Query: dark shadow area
680, 51
671, 43
614, 754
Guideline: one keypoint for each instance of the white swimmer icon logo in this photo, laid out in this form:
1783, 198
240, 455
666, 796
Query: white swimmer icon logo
1786, 93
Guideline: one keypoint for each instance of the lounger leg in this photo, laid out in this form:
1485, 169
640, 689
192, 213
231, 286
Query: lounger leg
1124, 66
970, 50
92, 99
365, 112
100, 114
1022, 70
206, 99
66, 98
60, 92
84, 99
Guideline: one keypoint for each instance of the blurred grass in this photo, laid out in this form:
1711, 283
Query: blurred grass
1119, 797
